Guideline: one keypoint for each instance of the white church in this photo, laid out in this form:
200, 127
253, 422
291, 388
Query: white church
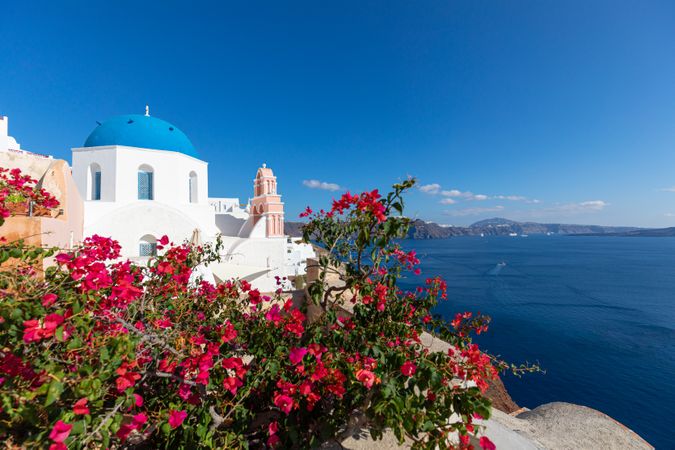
141, 178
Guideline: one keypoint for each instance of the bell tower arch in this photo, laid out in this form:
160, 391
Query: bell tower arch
266, 203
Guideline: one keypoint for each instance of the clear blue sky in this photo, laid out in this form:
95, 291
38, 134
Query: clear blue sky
558, 111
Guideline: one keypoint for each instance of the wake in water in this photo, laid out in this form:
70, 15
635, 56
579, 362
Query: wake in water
496, 269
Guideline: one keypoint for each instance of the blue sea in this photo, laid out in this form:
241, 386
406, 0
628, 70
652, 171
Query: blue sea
597, 313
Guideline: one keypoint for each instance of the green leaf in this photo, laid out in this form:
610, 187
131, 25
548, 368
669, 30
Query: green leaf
78, 427
106, 438
17, 314
53, 392
59, 334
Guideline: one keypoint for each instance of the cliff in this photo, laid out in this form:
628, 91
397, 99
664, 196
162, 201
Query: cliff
420, 229
650, 232
504, 227
500, 397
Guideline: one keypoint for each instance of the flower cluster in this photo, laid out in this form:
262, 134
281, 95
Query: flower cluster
367, 203
100, 352
17, 190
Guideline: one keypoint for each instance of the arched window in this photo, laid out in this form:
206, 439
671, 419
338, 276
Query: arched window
193, 188
145, 182
94, 182
147, 246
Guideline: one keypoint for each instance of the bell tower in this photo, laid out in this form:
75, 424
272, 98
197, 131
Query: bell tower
266, 203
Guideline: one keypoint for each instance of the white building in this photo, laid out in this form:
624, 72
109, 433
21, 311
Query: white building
141, 178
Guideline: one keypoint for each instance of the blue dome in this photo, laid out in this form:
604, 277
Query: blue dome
136, 130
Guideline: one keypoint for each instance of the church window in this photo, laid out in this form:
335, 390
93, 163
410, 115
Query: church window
94, 182
193, 187
147, 246
145, 183
96, 194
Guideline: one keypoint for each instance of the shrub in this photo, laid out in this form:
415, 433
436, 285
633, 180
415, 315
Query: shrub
103, 353
18, 191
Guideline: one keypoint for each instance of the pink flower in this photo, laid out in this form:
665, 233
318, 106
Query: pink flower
58, 446
140, 419
127, 380
60, 431
232, 384
48, 300
137, 422
366, 377
230, 333
408, 368
486, 444
274, 315
176, 418
283, 402
273, 441
31, 331
139, 400
273, 427
63, 258
80, 407
163, 323
296, 355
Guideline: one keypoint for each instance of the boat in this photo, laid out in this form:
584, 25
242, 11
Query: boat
513, 234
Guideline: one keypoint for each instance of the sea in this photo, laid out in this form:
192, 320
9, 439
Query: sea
597, 314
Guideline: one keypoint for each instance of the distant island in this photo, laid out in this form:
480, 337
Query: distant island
498, 226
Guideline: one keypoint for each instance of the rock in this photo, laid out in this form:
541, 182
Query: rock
561, 425
500, 397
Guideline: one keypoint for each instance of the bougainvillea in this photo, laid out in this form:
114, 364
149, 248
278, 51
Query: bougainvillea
99, 352
18, 191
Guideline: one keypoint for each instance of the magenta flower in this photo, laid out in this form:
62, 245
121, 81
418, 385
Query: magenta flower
176, 418
60, 431
486, 444
408, 368
296, 355
283, 402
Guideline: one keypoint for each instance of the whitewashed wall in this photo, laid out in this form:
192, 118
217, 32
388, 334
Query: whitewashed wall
121, 215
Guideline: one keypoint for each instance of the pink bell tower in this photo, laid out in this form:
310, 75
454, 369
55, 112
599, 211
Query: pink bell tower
267, 203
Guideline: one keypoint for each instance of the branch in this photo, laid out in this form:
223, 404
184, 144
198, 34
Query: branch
149, 337
217, 418
100, 425
357, 420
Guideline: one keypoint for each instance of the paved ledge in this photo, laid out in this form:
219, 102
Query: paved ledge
553, 426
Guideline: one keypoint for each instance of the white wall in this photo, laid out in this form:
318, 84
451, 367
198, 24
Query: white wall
121, 215
119, 173
266, 256
128, 223
229, 225
227, 205
7, 142
106, 158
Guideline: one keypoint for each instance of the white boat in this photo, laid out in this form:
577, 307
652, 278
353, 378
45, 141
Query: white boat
523, 235
513, 234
